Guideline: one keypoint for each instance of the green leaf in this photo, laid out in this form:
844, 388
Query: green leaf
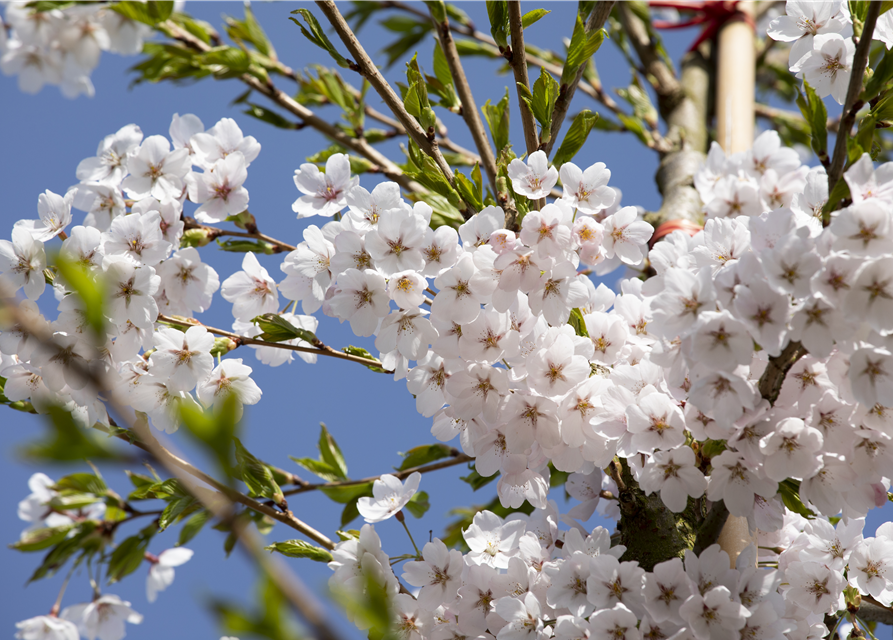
789, 490
578, 323
82, 538
40, 539
256, 475
213, 429
270, 117
348, 493
575, 137
199, 28
331, 453
634, 125
83, 483
127, 557
583, 46
321, 469
497, 11
233, 59
317, 36
476, 480
84, 285
417, 456
300, 549
418, 504
468, 190
277, 329
249, 30
192, 526
542, 102
360, 352
68, 442
175, 509
816, 115
497, 117
350, 513
350, 534
532, 17
150, 13
244, 246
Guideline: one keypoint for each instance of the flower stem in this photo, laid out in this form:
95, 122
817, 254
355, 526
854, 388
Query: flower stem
402, 520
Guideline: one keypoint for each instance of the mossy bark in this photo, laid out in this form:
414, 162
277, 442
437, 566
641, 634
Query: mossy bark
650, 531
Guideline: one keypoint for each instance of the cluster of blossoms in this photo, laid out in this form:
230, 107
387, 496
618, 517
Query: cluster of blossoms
63, 46
105, 617
822, 48
523, 579
136, 255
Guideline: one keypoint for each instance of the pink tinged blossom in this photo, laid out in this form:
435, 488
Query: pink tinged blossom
220, 142
478, 229
734, 196
427, 382
396, 242
530, 419
656, 422
765, 313
608, 333
389, 496
818, 325
109, 166
618, 623
22, 262
829, 66
103, 618
626, 237
137, 237
46, 628
674, 474
611, 582
440, 250
805, 20
666, 588
161, 572
187, 280
407, 289
555, 370
558, 293
361, 298
534, 179
325, 194
156, 171
863, 229
815, 587
229, 378
867, 182
365, 209
251, 290
587, 190
459, 294
491, 540
871, 569
477, 390
734, 482
568, 588
792, 450
439, 574
719, 341
130, 290
724, 396
54, 214
871, 377
219, 189
714, 616
489, 338
183, 359
547, 231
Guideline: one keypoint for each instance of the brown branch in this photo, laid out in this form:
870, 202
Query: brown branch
873, 611
321, 350
363, 64
777, 368
712, 526
470, 112
268, 89
596, 21
214, 232
852, 104
457, 459
519, 68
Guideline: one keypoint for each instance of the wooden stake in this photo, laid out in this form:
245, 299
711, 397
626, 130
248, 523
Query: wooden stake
735, 89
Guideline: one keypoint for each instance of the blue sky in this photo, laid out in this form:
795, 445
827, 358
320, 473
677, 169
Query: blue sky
371, 416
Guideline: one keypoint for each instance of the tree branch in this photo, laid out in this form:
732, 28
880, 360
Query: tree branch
363, 64
519, 69
596, 21
470, 112
777, 368
321, 350
457, 459
712, 526
873, 611
852, 104
215, 232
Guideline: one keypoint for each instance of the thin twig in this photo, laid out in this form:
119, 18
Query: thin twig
457, 459
519, 68
596, 21
322, 350
215, 232
363, 64
852, 103
470, 112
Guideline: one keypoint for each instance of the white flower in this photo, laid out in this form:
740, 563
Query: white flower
439, 574
714, 616
827, 68
534, 179
156, 171
871, 569
734, 482
103, 618
220, 141
219, 190
22, 262
325, 193
161, 573
109, 164
587, 190
674, 474
389, 496
46, 628
182, 359
625, 236
491, 540
360, 297
252, 291
815, 587
55, 214
230, 377
792, 450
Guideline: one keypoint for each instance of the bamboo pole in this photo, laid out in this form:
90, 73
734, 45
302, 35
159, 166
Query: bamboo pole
735, 91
